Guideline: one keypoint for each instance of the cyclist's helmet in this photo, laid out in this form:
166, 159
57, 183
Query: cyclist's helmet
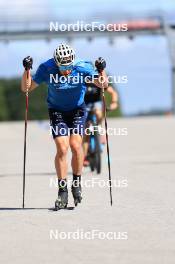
64, 55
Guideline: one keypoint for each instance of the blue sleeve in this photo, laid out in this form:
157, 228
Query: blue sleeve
90, 71
40, 75
87, 69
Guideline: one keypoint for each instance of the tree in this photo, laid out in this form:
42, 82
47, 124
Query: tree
4, 115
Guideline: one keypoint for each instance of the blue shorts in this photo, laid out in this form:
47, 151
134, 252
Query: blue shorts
67, 123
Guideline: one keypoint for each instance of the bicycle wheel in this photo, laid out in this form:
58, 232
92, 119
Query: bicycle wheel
92, 162
97, 157
91, 153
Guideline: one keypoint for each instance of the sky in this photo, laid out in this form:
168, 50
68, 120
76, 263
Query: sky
70, 9
145, 60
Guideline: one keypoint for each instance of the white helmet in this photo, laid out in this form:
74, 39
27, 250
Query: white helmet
64, 55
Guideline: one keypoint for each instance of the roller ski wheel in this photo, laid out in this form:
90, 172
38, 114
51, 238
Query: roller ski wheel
77, 194
62, 200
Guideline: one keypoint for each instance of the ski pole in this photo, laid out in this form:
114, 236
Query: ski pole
107, 141
25, 137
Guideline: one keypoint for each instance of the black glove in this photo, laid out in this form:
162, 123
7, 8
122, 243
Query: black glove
100, 64
27, 63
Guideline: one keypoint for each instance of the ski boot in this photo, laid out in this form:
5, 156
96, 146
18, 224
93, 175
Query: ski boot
77, 193
62, 200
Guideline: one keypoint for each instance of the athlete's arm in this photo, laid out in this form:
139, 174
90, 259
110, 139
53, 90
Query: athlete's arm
27, 83
102, 80
114, 97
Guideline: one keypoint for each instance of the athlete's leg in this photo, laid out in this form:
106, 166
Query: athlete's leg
62, 145
85, 150
99, 115
77, 153
59, 130
85, 144
98, 108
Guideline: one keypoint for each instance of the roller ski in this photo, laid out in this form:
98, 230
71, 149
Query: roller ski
77, 193
62, 200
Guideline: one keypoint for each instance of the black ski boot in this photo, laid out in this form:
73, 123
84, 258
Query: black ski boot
62, 200
77, 193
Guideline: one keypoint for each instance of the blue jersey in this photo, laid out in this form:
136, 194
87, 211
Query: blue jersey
65, 93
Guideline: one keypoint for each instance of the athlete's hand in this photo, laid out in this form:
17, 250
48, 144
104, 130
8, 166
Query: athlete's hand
113, 106
100, 64
27, 63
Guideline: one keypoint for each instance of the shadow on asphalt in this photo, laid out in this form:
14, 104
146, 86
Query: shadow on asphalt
28, 174
33, 208
35, 174
32, 174
68, 208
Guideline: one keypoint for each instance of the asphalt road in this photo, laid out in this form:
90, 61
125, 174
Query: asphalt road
140, 222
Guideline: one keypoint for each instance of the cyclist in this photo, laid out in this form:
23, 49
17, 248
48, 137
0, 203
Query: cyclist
66, 109
93, 97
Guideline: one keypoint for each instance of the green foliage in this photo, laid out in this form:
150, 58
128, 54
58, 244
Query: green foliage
115, 113
3, 105
38, 105
12, 101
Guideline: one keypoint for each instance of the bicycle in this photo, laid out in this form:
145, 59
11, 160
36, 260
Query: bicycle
94, 146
